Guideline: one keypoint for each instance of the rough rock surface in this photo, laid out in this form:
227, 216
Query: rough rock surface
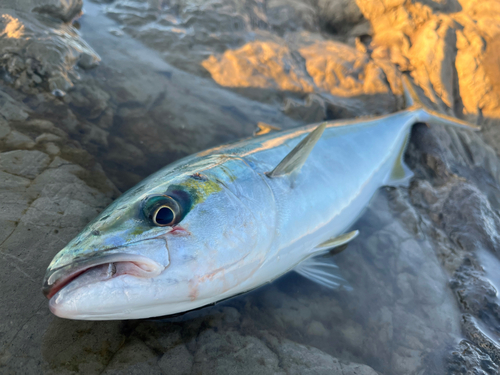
39, 49
424, 270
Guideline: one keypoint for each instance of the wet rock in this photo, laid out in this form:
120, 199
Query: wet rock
12, 110
468, 359
90, 99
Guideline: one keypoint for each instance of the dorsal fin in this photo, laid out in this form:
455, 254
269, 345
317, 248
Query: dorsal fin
297, 157
263, 128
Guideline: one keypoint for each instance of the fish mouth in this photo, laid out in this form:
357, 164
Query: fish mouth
100, 268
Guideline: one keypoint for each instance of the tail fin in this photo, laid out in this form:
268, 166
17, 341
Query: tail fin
428, 115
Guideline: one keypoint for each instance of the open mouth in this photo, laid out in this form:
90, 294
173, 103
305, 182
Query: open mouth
100, 268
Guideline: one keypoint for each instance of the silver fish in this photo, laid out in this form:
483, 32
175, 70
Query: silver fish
230, 219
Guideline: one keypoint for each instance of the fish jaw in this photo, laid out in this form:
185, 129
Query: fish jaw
142, 260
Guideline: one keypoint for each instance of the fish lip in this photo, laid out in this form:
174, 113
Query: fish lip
57, 279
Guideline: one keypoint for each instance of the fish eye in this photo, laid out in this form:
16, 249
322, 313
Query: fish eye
162, 210
163, 216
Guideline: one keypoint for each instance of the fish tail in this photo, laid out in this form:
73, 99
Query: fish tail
427, 115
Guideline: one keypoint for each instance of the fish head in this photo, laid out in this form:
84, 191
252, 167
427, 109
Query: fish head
181, 239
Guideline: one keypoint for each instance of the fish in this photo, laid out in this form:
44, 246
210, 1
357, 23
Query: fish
230, 219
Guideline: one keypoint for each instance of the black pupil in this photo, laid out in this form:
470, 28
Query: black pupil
164, 216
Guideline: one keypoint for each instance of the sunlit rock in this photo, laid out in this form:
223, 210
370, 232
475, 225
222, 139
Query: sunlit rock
266, 65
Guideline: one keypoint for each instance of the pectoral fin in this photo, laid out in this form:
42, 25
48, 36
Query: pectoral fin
263, 128
297, 157
322, 269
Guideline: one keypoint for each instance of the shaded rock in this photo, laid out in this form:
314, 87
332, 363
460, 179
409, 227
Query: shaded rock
40, 53
12, 110
63, 10
469, 359
177, 361
84, 347
299, 359
43, 205
89, 99
313, 109
4, 128
228, 352
134, 358
18, 140
339, 16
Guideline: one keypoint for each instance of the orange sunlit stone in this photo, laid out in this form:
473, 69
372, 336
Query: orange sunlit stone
13, 28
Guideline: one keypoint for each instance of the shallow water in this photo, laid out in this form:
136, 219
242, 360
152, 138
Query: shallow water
401, 315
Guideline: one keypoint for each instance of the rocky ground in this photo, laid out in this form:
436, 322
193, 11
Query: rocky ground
85, 114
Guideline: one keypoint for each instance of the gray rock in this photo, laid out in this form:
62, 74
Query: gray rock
24, 163
12, 110
4, 128
230, 352
299, 359
42, 52
177, 361
18, 140
61, 9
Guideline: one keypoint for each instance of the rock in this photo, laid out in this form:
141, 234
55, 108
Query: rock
18, 140
462, 50
265, 65
177, 361
4, 128
90, 99
47, 137
312, 110
339, 16
298, 359
63, 10
24, 163
230, 352
11, 110
341, 70
135, 358
316, 328
467, 358
39, 53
